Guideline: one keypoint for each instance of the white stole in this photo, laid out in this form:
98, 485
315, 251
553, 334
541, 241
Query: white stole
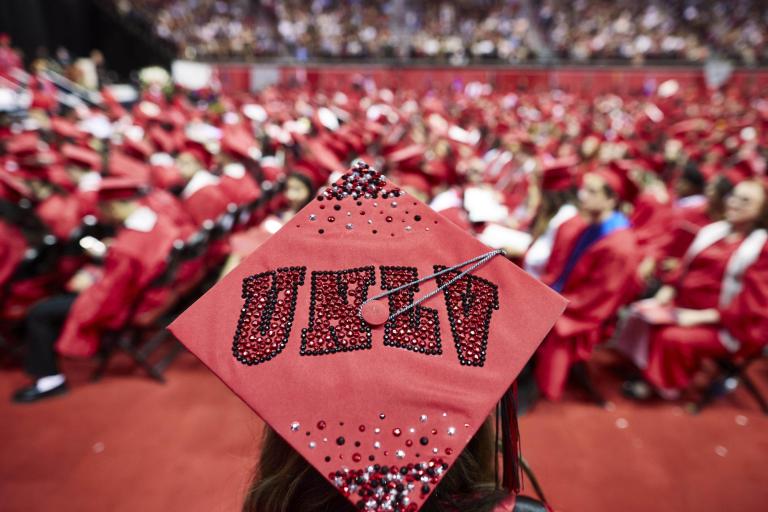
538, 255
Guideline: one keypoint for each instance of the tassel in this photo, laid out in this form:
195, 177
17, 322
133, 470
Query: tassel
510, 440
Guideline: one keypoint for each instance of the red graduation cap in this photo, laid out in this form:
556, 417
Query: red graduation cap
111, 189
66, 129
82, 156
558, 174
13, 186
315, 332
23, 144
121, 164
616, 176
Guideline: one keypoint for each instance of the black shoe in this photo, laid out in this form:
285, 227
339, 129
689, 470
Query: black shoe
637, 390
32, 394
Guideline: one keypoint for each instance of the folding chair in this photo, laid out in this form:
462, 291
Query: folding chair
730, 374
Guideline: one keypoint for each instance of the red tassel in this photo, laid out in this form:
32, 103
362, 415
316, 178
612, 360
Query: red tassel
510, 440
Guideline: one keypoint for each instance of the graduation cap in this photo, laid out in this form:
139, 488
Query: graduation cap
83, 156
374, 336
120, 188
23, 144
558, 174
616, 176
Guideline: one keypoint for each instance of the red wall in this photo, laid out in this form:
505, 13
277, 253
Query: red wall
237, 78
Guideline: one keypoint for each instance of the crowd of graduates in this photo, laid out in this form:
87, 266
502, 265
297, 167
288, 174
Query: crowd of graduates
457, 32
115, 215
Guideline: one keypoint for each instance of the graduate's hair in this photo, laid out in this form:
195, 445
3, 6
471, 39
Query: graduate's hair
551, 202
762, 218
285, 482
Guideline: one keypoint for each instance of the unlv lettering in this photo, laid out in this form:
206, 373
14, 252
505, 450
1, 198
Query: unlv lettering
418, 329
470, 302
335, 324
267, 315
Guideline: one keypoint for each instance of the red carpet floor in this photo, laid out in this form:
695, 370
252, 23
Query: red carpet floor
129, 444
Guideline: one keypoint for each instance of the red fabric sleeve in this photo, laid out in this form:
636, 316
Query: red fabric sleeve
747, 316
595, 297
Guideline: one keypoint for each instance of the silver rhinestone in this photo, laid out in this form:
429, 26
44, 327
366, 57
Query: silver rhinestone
408, 228
312, 216
466, 425
445, 415
370, 221
325, 439
375, 204
349, 226
382, 416
377, 430
435, 450
394, 204
451, 431
423, 418
349, 214
377, 445
295, 426
400, 454
412, 430
312, 445
427, 229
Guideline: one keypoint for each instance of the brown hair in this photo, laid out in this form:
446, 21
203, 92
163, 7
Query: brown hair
285, 482
762, 218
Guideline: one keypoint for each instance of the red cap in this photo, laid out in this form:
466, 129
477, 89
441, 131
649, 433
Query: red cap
138, 147
111, 189
123, 165
617, 178
65, 128
162, 139
240, 144
558, 174
23, 144
83, 156
13, 186
353, 392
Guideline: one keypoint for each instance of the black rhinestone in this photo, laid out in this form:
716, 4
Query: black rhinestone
340, 441
424, 441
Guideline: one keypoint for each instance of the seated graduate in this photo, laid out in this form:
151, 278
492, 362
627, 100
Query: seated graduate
72, 324
597, 277
376, 392
716, 305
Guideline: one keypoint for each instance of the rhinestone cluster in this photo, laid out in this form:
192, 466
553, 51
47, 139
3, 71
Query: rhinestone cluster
419, 328
391, 488
267, 315
334, 322
470, 302
361, 181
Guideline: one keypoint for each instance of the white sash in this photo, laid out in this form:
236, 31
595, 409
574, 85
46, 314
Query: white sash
538, 255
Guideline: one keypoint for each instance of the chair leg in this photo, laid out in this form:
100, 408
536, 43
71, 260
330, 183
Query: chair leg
171, 356
105, 355
580, 373
755, 392
130, 347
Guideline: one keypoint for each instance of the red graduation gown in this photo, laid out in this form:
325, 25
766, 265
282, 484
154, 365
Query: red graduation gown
600, 282
566, 237
132, 262
12, 248
675, 353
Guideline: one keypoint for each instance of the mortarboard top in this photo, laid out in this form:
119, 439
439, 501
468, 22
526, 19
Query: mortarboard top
116, 188
138, 146
364, 398
616, 176
558, 174
23, 144
83, 156
13, 186
162, 139
122, 165
66, 129
240, 144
